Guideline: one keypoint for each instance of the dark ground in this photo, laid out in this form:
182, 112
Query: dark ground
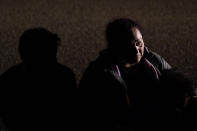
170, 28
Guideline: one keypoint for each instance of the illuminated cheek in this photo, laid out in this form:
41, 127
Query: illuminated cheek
142, 51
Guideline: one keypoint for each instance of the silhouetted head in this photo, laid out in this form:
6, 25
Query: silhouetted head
174, 94
125, 40
176, 86
38, 46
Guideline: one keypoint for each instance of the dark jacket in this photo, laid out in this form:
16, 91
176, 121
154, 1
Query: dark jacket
104, 93
37, 98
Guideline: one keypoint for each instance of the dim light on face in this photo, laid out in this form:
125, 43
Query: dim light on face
132, 53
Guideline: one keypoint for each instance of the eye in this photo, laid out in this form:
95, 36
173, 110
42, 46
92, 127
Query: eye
138, 43
134, 42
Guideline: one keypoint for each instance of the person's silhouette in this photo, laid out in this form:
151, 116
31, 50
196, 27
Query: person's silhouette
176, 102
117, 88
39, 93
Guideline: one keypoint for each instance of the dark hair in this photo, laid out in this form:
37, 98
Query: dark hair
119, 30
36, 42
176, 85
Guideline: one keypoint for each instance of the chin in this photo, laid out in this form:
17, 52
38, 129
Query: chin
139, 59
136, 60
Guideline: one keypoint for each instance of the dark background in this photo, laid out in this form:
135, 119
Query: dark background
169, 28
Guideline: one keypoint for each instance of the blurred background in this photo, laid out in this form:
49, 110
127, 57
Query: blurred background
170, 28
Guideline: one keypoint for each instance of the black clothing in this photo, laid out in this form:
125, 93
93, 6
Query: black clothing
38, 98
107, 93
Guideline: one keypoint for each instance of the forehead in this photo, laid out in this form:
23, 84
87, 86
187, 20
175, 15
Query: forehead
136, 33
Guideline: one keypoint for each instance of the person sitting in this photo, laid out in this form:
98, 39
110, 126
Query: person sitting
119, 82
39, 93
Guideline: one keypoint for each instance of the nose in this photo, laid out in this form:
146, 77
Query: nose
134, 49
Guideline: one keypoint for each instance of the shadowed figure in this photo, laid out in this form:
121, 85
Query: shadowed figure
118, 87
177, 104
39, 93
